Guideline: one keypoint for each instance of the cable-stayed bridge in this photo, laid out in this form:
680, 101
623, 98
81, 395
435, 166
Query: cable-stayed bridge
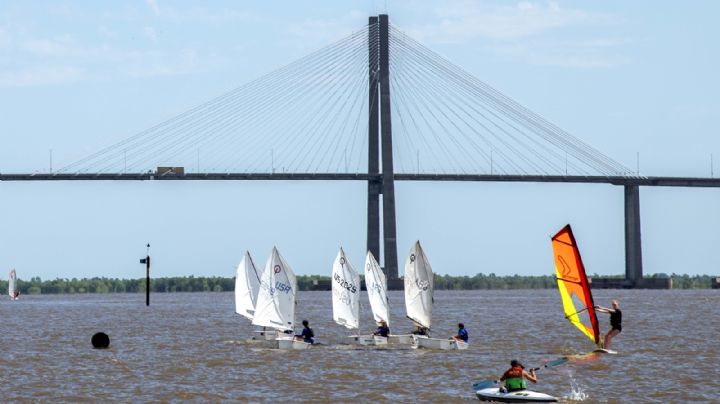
375, 106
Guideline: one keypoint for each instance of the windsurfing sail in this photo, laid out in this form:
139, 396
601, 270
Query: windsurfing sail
376, 285
12, 285
345, 292
247, 285
276, 298
418, 287
573, 285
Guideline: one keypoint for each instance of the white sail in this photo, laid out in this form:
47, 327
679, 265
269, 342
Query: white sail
345, 292
418, 287
376, 286
276, 299
12, 284
247, 285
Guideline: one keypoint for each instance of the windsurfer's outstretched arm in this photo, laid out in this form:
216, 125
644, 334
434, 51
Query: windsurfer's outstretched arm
604, 309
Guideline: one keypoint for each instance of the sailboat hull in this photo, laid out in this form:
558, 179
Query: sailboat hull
421, 341
400, 339
269, 335
363, 339
380, 340
369, 340
291, 343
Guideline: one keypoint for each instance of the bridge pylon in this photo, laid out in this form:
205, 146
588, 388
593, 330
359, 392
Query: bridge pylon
380, 146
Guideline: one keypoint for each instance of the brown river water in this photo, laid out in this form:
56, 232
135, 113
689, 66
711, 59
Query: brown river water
192, 346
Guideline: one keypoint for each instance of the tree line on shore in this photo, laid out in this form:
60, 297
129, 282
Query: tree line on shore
305, 282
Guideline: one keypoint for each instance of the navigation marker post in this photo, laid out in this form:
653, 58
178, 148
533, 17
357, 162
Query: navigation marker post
146, 261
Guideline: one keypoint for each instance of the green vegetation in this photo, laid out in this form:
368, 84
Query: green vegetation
305, 282
691, 282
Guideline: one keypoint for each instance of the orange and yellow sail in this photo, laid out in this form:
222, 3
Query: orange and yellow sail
573, 285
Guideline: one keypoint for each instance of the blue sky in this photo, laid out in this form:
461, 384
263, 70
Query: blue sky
626, 77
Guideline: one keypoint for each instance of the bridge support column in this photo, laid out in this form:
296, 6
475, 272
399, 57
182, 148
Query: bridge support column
388, 175
374, 186
633, 243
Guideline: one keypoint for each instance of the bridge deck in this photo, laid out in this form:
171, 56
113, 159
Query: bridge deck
640, 181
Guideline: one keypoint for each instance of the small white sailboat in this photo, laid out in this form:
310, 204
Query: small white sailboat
376, 285
275, 306
346, 296
247, 286
419, 300
12, 285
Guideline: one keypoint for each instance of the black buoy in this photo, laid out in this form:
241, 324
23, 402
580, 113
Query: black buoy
100, 340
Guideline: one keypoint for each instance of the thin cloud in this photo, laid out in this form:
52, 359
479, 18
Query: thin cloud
58, 46
199, 14
153, 5
39, 76
462, 21
5, 39
525, 31
151, 34
316, 32
30, 59
153, 64
107, 32
579, 54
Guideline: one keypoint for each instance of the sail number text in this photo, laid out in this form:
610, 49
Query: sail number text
345, 284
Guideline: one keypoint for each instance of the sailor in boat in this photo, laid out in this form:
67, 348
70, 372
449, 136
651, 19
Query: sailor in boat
307, 334
615, 321
462, 334
514, 377
420, 330
383, 330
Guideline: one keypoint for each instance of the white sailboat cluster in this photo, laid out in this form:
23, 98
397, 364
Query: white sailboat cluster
418, 299
269, 300
346, 297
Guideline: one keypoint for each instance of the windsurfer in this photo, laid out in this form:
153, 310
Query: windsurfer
307, 334
615, 321
383, 330
514, 377
462, 334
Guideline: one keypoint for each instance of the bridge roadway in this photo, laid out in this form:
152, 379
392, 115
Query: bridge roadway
613, 180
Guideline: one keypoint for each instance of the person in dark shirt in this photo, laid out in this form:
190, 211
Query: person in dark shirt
615, 321
307, 334
420, 330
383, 330
462, 334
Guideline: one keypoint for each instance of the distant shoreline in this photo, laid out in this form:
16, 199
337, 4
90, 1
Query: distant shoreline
37, 286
